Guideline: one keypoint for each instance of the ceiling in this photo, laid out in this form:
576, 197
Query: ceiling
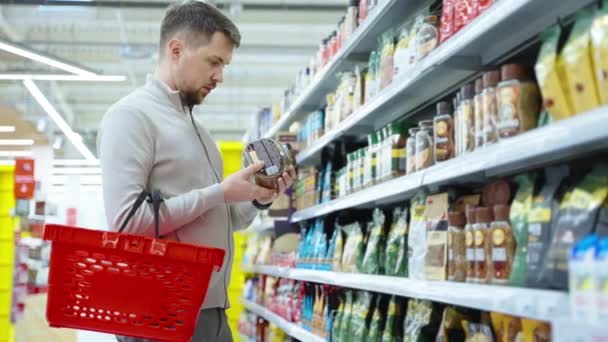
120, 38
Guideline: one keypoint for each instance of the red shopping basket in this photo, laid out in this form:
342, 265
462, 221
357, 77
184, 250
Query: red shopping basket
127, 284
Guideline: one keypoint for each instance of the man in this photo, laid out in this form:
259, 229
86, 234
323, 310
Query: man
150, 140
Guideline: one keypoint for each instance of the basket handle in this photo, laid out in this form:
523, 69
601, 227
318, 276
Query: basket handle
155, 198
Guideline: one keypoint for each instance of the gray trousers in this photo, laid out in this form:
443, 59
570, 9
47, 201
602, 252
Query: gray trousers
212, 326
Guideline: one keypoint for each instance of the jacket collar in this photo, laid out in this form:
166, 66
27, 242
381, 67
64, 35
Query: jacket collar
162, 89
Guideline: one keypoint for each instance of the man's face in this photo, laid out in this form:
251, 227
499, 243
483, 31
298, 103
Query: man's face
198, 69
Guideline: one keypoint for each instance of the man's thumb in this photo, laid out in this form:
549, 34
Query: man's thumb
253, 168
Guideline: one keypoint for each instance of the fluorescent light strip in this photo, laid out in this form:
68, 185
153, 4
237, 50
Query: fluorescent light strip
67, 78
76, 171
7, 129
45, 60
59, 121
75, 162
15, 153
17, 142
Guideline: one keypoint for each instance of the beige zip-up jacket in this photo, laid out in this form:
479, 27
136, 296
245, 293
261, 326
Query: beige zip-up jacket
147, 141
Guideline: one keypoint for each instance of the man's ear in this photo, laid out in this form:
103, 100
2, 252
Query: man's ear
175, 48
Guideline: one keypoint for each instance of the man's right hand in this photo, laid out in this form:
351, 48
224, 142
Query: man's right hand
239, 188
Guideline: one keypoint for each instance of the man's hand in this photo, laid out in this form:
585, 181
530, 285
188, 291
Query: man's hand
285, 181
239, 188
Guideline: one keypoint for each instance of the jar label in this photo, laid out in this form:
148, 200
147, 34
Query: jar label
499, 254
479, 238
480, 254
469, 238
498, 237
470, 254
509, 120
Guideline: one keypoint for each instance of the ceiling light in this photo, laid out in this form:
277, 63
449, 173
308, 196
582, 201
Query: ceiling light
43, 59
15, 153
7, 129
59, 121
74, 78
75, 162
17, 142
76, 171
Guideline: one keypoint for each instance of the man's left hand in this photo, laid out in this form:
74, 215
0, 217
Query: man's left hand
285, 181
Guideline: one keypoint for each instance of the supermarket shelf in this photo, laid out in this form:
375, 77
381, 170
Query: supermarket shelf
542, 305
568, 330
481, 43
361, 43
289, 328
561, 141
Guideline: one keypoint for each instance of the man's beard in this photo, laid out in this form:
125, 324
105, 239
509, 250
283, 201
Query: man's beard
190, 98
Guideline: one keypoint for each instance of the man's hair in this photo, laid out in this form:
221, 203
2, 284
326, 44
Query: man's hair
196, 19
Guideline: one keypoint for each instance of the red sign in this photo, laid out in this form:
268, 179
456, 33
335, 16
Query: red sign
24, 178
71, 217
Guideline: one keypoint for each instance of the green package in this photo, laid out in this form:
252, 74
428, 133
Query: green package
378, 320
396, 250
393, 330
352, 255
338, 250
345, 324
337, 323
375, 243
361, 317
422, 322
520, 208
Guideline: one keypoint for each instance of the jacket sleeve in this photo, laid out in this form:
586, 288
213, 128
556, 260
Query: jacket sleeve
126, 148
242, 214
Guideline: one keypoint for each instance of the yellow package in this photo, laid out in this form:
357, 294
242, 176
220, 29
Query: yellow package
599, 41
536, 331
498, 326
553, 88
579, 66
512, 329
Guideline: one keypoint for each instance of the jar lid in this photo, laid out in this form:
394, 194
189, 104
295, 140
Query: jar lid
470, 210
514, 72
483, 215
501, 212
380, 134
412, 131
362, 152
425, 124
456, 219
468, 91
491, 79
478, 86
497, 192
395, 128
444, 107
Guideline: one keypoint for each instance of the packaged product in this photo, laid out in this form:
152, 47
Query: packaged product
490, 110
376, 242
345, 325
370, 77
402, 50
518, 101
483, 256
469, 231
457, 259
464, 12
578, 65
424, 145
338, 249
477, 332
443, 130
467, 114
427, 37
536, 331
352, 247
393, 330
577, 217
512, 329
387, 59
277, 159
417, 237
436, 213
396, 247
601, 226
378, 320
599, 41
553, 87
497, 320
582, 280
543, 214
422, 321
362, 316
446, 26
520, 208
450, 329
502, 244
601, 267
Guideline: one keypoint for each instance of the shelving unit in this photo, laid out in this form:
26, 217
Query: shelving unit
289, 328
531, 303
580, 135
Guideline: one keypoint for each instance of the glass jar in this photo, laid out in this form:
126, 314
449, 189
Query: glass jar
410, 147
518, 101
478, 113
470, 245
457, 260
362, 168
503, 245
370, 160
443, 130
350, 171
379, 155
468, 118
483, 261
277, 159
424, 145
490, 112
396, 153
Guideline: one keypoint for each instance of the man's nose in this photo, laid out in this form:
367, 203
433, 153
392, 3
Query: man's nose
218, 76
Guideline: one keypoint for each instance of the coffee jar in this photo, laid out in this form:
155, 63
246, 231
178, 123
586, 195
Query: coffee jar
277, 159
